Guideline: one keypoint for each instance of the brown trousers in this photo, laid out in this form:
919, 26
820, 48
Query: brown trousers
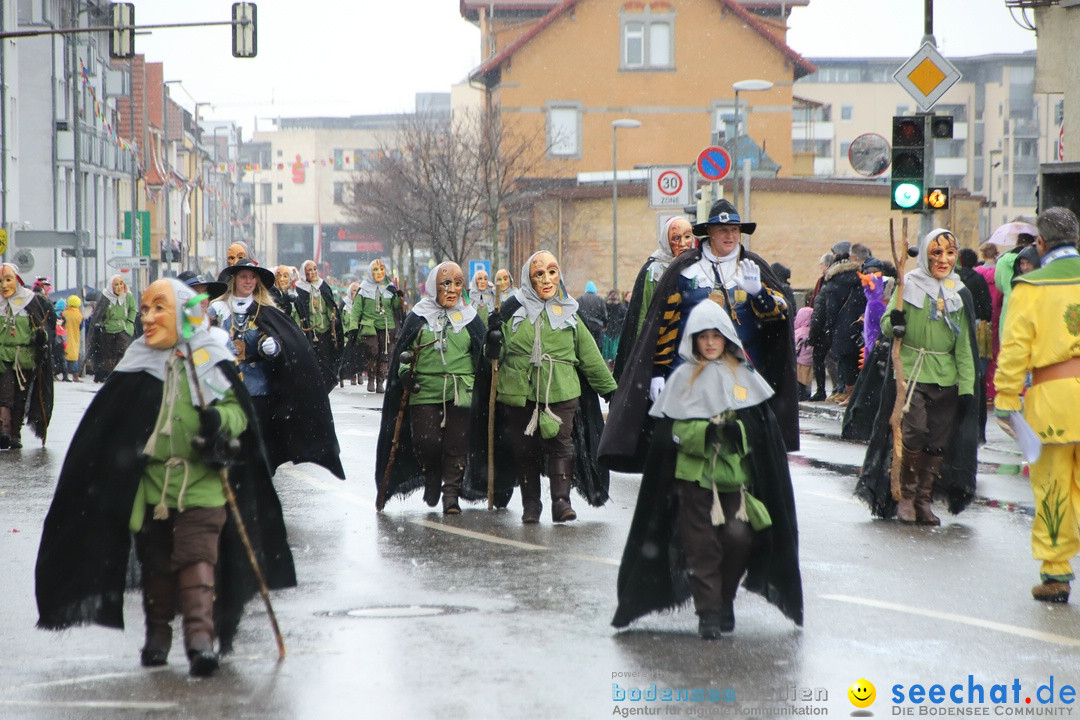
431, 442
182, 539
374, 353
716, 555
929, 422
528, 450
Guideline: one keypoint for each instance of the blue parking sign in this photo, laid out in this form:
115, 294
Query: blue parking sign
475, 265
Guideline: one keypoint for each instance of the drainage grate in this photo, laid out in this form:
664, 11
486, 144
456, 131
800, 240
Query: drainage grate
399, 611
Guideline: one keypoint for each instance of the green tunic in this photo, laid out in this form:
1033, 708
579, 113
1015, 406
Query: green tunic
445, 377
948, 360
378, 314
566, 351
348, 320
647, 291
16, 334
320, 313
202, 487
120, 318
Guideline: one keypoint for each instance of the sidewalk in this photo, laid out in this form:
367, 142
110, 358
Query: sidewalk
1001, 480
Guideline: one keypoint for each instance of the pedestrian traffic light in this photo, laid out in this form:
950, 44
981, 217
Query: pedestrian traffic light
122, 36
908, 162
937, 198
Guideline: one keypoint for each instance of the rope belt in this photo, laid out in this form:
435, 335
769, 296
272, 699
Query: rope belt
916, 369
161, 510
534, 421
20, 373
454, 379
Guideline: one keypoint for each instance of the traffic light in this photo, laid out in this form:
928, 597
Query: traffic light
941, 127
908, 163
937, 198
122, 40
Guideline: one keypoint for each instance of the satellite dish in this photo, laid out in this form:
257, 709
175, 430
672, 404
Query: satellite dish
869, 154
24, 259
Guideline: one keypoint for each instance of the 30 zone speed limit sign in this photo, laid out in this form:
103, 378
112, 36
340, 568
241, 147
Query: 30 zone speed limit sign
669, 186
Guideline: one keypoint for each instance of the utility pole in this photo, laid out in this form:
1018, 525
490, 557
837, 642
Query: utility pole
926, 223
76, 130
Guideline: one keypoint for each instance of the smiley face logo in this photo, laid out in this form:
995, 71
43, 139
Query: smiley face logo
862, 693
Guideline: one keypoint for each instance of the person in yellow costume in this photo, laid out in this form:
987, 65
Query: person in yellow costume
1042, 336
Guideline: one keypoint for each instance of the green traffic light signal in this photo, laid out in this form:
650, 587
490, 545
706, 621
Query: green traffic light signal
906, 195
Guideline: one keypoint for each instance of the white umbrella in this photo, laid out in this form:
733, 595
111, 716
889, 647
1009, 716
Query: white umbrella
1005, 236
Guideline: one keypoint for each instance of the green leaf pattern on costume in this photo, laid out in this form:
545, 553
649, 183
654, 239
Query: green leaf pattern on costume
1072, 319
1052, 513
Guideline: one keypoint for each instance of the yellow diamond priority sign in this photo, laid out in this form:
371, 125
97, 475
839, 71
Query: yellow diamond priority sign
927, 75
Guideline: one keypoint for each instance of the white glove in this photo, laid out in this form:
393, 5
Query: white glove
748, 277
269, 347
656, 387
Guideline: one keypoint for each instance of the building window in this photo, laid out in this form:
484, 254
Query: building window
564, 130
267, 193
279, 186
846, 111
647, 41
280, 199
339, 193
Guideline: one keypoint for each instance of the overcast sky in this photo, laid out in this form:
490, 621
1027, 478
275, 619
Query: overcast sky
354, 57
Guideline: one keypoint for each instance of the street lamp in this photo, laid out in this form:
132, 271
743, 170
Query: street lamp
743, 86
615, 125
166, 166
990, 198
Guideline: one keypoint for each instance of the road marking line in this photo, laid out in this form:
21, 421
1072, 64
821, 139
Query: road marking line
88, 678
962, 619
472, 534
95, 704
479, 536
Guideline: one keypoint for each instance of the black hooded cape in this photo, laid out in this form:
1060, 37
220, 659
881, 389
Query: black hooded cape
626, 437
82, 562
862, 407
628, 336
405, 475
351, 354
590, 478
653, 574
329, 372
956, 483
39, 394
301, 428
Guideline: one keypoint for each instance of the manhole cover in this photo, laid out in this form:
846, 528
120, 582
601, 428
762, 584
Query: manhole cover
400, 611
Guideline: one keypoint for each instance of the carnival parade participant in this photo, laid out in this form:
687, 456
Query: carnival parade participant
722, 269
504, 282
481, 294
351, 353
1039, 337
73, 319
318, 312
26, 360
441, 339
373, 312
146, 461
676, 237
547, 410
716, 499
283, 292
941, 424
279, 370
235, 252
112, 327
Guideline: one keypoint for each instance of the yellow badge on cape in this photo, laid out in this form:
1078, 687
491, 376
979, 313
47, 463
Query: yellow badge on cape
949, 283
740, 392
200, 357
455, 317
557, 309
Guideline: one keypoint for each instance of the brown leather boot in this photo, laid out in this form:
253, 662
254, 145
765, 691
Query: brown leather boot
929, 469
380, 376
432, 488
561, 470
159, 607
453, 474
531, 506
909, 478
371, 382
196, 583
5, 428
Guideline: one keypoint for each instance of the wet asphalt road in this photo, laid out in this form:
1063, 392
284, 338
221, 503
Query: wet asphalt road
410, 614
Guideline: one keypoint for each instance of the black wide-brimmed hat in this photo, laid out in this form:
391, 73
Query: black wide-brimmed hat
266, 275
723, 213
211, 287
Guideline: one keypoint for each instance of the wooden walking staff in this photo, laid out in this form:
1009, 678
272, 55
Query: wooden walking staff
234, 510
491, 412
896, 418
409, 356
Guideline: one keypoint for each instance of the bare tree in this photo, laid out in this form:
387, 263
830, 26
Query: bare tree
443, 183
